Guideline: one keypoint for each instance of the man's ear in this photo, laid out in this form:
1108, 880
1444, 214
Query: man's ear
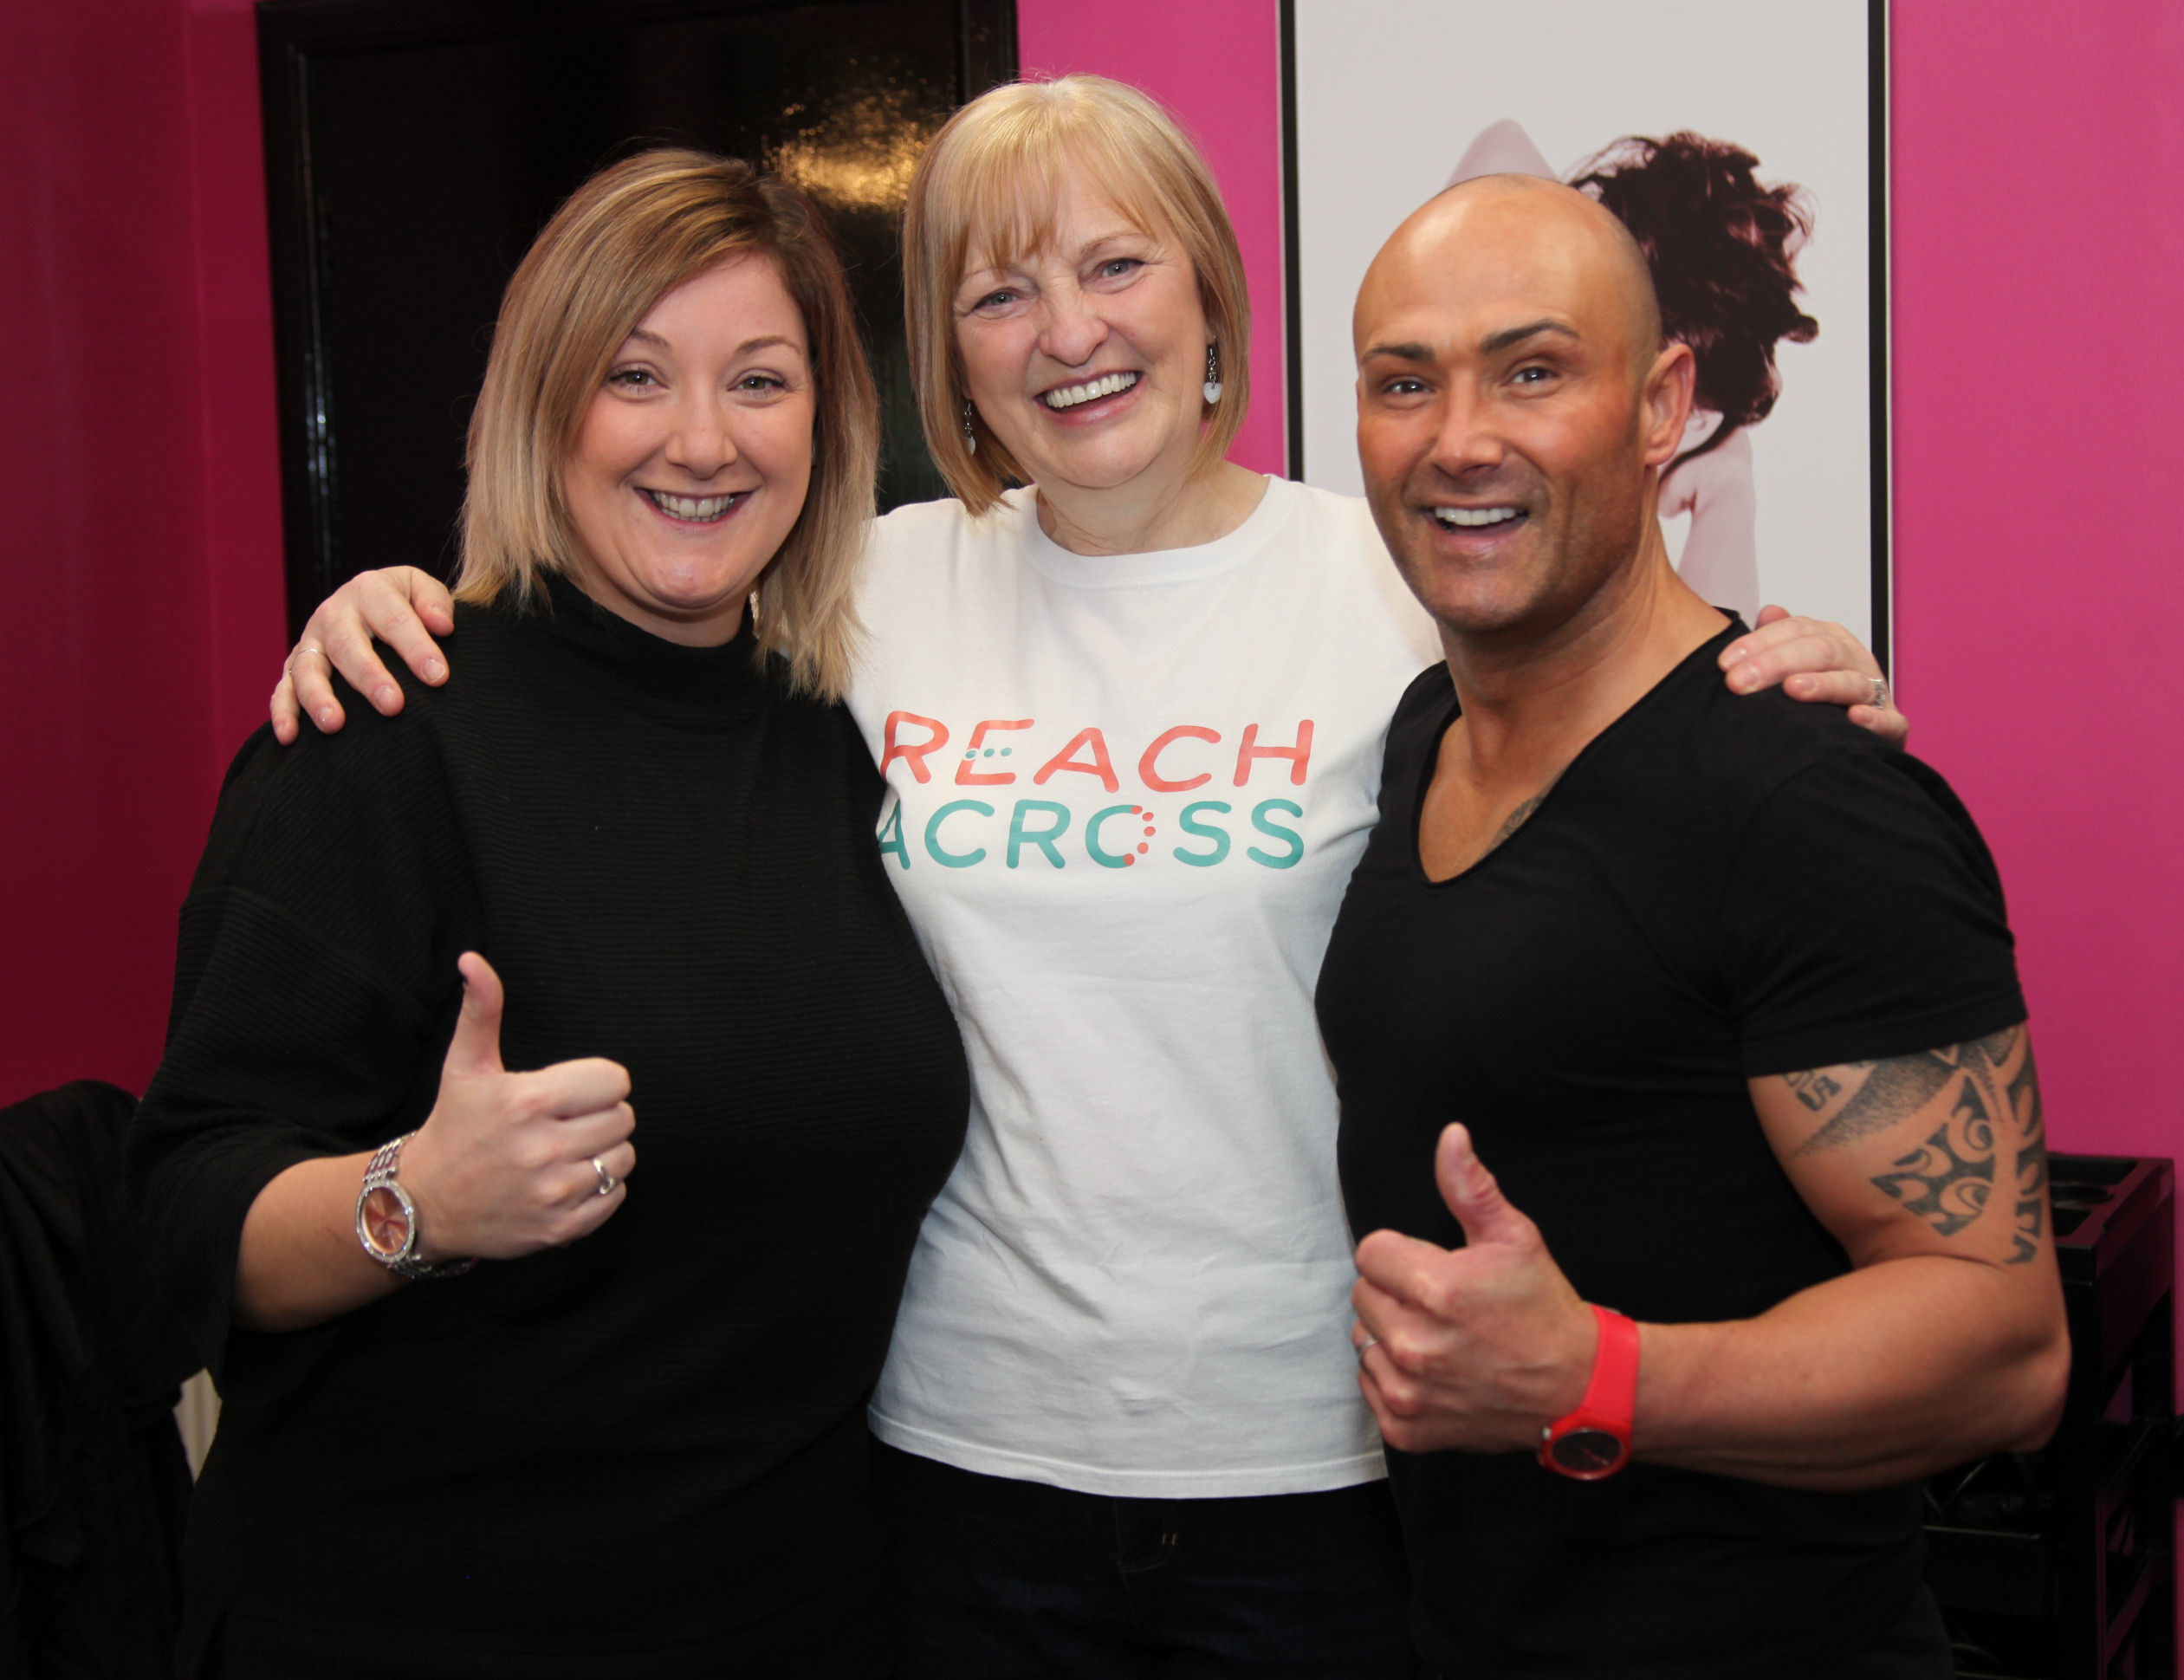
1666, 402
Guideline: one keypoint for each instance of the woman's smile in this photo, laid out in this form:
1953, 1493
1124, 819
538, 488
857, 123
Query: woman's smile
695, 509
1067, 398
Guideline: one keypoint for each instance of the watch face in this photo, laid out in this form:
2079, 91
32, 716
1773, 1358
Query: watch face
1586, 1452
386, 1221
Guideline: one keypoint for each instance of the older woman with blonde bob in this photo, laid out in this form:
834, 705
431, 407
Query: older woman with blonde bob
1130, 699
497, 1402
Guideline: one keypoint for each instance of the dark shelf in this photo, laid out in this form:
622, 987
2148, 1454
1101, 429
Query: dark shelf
2060, 1564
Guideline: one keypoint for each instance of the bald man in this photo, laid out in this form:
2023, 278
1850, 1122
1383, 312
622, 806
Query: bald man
1687, 1094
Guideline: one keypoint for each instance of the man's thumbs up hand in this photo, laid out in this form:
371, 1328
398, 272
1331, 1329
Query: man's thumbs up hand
1475, 1198
505, 1163
1479, 1347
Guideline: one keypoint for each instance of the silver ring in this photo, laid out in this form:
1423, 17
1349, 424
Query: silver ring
608, 1180
1876, 694
1366, 1347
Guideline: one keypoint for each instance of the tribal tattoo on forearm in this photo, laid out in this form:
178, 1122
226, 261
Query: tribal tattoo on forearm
1949, 1179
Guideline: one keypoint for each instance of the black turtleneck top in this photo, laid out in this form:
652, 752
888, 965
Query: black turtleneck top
654, 1437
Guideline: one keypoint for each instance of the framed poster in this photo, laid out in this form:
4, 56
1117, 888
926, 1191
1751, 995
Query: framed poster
1744, 141
415, 147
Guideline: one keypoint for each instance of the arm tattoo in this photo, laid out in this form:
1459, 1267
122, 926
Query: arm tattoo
1892, 1090
1896, 1088
1948, 1180
2024, 1092
1952, 1173
1813, 1088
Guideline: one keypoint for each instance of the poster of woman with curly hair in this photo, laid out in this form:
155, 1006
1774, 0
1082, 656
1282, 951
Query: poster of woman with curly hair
1739, 142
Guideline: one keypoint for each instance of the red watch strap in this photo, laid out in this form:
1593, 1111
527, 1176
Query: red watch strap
1613, 1391
1594, 1441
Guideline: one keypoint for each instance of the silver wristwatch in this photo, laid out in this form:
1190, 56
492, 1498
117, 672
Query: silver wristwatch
385, 1215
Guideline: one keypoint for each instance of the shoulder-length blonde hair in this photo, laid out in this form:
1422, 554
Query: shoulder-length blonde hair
627, 238
987, 187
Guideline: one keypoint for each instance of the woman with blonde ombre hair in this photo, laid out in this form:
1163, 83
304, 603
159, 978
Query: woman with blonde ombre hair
637, 231
495, 1403
1129, 700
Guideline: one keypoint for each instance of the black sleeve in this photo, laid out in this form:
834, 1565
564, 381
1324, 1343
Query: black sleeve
1863, 918
315, 986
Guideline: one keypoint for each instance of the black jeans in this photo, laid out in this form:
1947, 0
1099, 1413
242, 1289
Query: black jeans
998, 1578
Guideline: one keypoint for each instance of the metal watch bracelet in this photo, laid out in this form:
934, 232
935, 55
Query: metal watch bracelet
403, 1261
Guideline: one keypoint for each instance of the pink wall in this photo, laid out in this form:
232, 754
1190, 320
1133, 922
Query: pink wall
2039, 417
141, 552
2039, 413
1215, 64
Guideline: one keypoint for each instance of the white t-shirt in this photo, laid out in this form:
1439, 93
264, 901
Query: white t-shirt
1125, 795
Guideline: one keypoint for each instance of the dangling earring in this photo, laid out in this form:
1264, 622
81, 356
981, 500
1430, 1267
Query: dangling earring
970, 437
1213, 373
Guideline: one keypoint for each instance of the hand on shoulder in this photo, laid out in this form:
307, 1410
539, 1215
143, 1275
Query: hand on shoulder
402, 606
1814, 661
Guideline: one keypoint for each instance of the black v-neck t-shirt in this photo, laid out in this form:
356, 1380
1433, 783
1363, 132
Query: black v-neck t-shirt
1718, 887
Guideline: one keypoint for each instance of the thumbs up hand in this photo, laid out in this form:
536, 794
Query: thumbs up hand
503, 1165
1479, 1347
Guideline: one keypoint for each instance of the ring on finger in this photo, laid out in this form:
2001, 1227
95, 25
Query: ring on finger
1876, 693
1366, 1347
608, 1180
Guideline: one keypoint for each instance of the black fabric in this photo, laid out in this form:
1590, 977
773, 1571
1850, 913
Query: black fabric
92, 1479
999, 1578
1716, 888
657, 1434
843, 1631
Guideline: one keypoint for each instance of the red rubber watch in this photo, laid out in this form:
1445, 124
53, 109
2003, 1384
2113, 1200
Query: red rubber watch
1594, 1441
